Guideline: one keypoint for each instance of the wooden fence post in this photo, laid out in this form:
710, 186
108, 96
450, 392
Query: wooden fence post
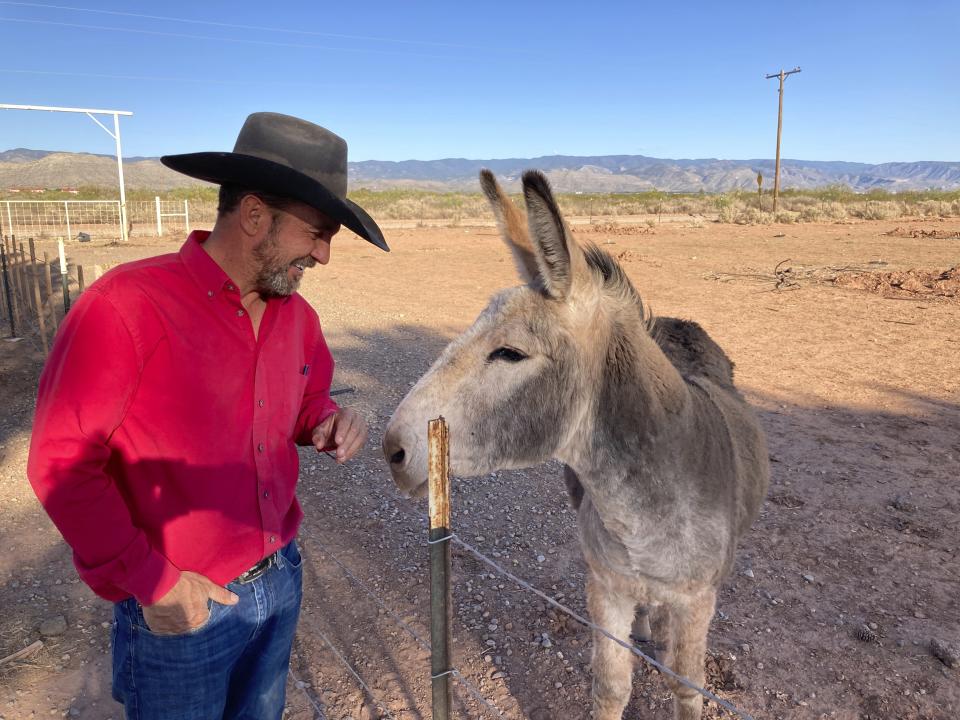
439, 484
48, 282
38, 304
32, 269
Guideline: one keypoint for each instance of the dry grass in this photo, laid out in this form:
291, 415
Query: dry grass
832, 204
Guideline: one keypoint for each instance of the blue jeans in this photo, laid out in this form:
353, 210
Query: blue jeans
233, 667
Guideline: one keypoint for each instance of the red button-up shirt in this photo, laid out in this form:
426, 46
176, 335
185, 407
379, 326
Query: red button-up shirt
165, 432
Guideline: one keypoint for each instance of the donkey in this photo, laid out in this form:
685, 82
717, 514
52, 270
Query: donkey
665, 461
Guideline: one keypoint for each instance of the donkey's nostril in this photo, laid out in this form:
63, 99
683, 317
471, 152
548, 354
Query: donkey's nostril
397, 457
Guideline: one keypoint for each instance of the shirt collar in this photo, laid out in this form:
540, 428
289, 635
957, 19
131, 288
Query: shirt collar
209, 276
204, 270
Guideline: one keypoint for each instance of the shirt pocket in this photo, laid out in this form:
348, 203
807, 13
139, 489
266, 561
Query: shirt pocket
292, 392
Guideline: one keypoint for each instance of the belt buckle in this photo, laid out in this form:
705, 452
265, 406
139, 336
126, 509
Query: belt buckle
257, 570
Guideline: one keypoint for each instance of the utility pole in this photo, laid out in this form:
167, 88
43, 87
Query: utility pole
776, 178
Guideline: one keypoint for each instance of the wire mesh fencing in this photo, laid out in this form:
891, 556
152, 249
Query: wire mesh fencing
442, 667
100, 220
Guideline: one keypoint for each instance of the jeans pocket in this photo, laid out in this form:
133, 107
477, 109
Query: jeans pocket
292, 556
140, 621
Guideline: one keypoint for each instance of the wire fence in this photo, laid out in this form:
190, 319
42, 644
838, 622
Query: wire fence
27, 290
417, 637
523, 584
86, 220
100, 220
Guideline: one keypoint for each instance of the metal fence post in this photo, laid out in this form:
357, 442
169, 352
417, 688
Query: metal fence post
156, 199
6, 287
439, 498
186, 217
64, 277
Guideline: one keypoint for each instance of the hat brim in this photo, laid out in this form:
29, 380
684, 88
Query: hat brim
248, 171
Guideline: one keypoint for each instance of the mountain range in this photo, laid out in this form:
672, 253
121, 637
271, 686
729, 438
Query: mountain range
24, 168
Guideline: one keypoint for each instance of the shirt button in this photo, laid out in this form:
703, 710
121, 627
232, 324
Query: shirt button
260, 403
239, 313
209, 293
260, 447
273, 538
266, 493
229, 286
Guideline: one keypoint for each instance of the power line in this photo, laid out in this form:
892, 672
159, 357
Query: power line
215, 39
200, 80
213, 23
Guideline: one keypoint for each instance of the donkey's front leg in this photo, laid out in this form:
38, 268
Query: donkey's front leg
691, 622
612, 663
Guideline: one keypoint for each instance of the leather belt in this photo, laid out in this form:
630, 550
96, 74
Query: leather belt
259, 569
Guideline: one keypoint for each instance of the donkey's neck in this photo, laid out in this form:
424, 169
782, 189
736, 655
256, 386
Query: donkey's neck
639, 410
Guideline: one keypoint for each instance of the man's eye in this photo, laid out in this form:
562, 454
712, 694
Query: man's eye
507, 354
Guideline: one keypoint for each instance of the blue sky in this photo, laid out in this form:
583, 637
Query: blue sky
421, 80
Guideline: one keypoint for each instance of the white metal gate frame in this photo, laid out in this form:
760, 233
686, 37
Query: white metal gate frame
89, 112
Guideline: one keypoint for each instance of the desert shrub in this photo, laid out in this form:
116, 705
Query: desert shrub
812, 213
877, 210
750, 216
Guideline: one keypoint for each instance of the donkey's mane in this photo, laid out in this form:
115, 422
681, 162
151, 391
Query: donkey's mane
616, 282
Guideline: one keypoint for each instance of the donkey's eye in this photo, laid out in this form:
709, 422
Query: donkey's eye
506, 353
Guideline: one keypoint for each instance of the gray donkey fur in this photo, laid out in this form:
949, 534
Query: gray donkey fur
665, 461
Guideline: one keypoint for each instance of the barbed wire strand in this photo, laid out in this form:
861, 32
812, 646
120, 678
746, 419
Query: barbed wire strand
353, 672
472, 689
632, 648
423, 643
469, 686
303, 686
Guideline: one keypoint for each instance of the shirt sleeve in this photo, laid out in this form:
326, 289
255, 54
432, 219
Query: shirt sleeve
85, 389
317, 404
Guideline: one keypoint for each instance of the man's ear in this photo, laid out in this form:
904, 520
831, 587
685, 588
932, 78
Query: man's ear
254, 215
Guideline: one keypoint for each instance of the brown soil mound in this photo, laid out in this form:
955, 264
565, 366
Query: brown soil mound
612, 228
905, 283
921, 233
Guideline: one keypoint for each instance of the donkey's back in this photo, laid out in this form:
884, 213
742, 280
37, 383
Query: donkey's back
692, 351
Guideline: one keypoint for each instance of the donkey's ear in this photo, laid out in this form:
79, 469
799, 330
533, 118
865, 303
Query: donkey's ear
513, 228
560, 259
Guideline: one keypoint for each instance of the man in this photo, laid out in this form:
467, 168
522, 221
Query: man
168, 414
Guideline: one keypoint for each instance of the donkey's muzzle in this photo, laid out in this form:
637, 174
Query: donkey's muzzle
400, 449
393, 450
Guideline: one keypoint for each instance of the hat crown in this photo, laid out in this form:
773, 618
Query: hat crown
299, 145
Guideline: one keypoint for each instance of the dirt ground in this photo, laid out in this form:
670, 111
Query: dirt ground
846, 580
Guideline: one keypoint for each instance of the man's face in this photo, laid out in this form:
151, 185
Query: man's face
298, 238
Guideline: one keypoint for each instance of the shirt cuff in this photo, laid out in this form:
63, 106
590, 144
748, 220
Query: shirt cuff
153, 579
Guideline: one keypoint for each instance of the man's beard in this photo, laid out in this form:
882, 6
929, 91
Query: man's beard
273, 277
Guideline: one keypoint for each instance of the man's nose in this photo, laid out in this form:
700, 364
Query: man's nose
321, 253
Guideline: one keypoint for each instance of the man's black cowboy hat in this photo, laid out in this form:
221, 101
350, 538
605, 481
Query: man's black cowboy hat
289, 157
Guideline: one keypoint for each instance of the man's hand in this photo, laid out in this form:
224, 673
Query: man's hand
184, 607
345, 430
